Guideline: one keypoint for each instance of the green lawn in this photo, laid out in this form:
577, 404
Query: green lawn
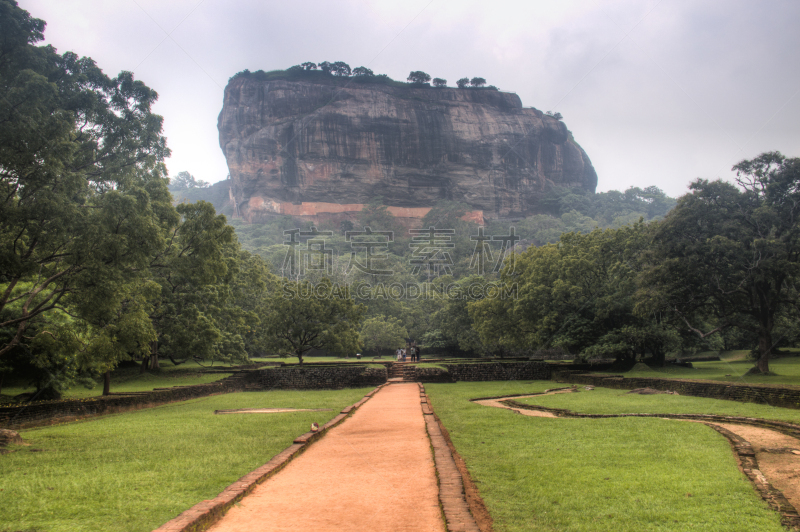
787, 369
430, 365
631, 474
609, 401
135, 471
129, 379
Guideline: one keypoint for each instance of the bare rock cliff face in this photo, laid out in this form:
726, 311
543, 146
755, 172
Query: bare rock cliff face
291, 143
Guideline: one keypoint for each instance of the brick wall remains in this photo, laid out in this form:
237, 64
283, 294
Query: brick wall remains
485, 371
746, 393
312, 377
45, 412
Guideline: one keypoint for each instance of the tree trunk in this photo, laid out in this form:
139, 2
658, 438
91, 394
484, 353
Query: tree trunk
107, 383
154, 355
764, 349
145, 363
658, 359
300, 356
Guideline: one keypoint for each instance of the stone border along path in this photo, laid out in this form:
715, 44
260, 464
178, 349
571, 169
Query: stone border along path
745, 454
270, 410
452, 477
380, 510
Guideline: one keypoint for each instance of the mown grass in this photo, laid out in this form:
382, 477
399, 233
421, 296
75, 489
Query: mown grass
129, 379
625, 474
133, 472
429, 365
729, 370
608, 401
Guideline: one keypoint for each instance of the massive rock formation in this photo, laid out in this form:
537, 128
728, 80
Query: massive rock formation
306, 148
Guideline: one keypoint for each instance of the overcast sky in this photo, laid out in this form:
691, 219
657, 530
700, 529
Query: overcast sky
656, 92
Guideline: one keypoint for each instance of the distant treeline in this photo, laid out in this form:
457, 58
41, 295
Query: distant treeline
337, 72
562, 210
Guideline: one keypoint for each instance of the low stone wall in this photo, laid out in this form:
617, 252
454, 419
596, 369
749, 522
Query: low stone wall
427, 375
312, 377
45, 412
746, 393
582, 367
487, 371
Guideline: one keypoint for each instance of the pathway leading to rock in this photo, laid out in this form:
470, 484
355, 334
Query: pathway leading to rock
374, 472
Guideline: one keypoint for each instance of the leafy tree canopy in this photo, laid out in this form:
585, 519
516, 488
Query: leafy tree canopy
83, 192
340, 68
418, 76
362, 71
303, 316
381, 333
184, 181
732, 252
577, 295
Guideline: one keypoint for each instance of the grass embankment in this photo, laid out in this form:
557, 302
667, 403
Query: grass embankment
608, 401
133, 472
731, 368
129, 379
625, 474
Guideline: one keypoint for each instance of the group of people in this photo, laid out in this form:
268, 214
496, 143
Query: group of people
411, 350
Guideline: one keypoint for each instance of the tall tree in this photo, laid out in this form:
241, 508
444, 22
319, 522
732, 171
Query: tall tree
251, 289
477, 82
577, 295
362, 71
81, 159
418, 76
184, 180
462, 83
304, 316
383, 333
188, 271
732, 252
340, 68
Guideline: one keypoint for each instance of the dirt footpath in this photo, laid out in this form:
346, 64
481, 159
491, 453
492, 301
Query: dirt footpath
497, 404
778, 458
374, 472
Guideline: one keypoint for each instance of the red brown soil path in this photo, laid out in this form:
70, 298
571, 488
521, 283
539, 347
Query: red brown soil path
775, 458
374, 472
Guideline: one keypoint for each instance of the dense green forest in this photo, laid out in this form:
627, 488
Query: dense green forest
588, 277
104, 259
